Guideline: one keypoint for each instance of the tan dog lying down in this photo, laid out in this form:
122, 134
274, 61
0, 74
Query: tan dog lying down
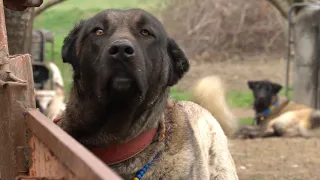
279, 116
124, 64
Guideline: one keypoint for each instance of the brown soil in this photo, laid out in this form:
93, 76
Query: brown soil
277, 158
243, 113
261, 159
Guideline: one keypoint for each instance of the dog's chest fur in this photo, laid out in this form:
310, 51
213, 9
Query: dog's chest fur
187, 153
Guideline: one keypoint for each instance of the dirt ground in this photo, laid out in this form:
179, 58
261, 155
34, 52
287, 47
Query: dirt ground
262, 159
277, 158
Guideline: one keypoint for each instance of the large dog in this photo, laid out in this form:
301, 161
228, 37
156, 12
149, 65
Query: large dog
124, 64
279, 116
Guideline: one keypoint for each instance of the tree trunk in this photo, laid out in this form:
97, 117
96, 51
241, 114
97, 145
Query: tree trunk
19, 29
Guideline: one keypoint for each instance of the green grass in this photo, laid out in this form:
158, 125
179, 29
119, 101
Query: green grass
178, 95
237, 99
246, 121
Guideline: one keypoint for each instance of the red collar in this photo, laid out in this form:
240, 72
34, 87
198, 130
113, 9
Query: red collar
117, 153
120, 152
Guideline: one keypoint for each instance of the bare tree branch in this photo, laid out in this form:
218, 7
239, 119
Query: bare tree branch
46, 6
281, 6
223, 28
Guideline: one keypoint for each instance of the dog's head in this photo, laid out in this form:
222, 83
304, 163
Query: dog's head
123, 56
264, 93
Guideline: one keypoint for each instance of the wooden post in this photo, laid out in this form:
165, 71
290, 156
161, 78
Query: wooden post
306, 70
15, 96
52, 153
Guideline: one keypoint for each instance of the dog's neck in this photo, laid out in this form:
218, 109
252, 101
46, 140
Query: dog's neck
262, 114
274, 100
99, 127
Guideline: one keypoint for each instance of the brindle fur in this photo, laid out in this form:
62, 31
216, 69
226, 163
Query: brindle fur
97, 115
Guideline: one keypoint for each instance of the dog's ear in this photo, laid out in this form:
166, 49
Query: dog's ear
179, 64
276, 88
69, 49
252, 84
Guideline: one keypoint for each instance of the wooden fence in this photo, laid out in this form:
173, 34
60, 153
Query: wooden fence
31, 146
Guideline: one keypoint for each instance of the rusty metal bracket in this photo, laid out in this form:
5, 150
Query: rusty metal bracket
38, 178
7, 76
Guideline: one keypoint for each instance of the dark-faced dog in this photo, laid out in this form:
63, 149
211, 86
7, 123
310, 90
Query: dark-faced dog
124, 64
280, 117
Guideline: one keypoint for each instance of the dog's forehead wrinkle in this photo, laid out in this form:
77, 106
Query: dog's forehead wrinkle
123, 16
132, 19
115, 17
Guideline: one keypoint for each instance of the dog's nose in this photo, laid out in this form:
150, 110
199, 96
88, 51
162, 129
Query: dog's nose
122, 48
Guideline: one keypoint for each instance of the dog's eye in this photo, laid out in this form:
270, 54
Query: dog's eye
99, 32
145, 32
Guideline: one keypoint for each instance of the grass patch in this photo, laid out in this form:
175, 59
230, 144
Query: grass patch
178, 95
246, 121
282, 93
237, 99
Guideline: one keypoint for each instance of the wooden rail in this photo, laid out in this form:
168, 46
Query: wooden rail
56, 154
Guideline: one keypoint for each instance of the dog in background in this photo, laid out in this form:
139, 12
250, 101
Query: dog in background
57, 105
51, 102
278, 116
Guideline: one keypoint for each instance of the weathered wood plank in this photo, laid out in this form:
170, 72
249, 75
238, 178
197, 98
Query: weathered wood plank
44, 163
21, 66
68, 151
3, 37
15, 97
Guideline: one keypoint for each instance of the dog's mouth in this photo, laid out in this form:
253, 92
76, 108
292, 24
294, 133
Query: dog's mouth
121, 84
122, 88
